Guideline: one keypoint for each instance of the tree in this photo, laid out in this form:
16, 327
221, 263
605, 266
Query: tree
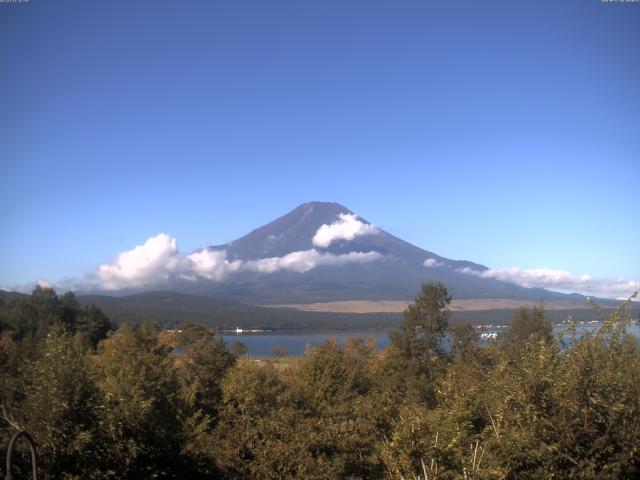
204, 364
92, 325
244, 441
239, 349
425, 323
307, 421
138, 410
528, 326
464, 340
571, 412
59, 407
31, 318
415, 356
200, 371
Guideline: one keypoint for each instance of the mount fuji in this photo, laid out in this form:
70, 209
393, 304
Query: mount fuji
324, 252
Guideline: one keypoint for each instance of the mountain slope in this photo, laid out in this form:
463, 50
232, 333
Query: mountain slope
269, 274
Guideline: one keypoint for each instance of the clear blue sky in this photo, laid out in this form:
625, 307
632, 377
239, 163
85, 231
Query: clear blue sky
506, 133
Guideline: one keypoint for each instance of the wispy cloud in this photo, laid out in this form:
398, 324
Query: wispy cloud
29, 286
560, 280
214, 265
347, 227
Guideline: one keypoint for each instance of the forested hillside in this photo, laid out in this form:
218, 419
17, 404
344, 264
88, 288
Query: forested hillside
172, 308
122, 404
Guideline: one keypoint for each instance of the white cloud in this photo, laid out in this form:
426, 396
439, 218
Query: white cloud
29, 286
214, 265
143, 265
187, 277
560, 280
158, 259
305, 260
43, 283
347, 227
211, 264
432, 263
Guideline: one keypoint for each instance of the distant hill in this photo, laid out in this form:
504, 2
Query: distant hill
8, 296
171, 308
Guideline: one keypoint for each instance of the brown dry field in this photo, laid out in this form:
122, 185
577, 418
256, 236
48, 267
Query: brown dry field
396, 306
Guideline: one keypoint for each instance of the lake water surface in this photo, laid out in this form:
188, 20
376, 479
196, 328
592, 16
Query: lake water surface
262, 344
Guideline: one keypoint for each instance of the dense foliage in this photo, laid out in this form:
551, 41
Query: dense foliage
147, 403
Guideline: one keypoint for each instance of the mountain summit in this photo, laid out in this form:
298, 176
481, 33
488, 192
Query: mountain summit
323, 252
290, 233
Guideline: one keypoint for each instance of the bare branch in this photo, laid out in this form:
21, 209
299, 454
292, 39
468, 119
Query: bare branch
8, 419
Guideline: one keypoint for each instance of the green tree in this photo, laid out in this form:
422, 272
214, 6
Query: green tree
248, 442
528, 326
200, 371
415, 357
59, 407
425, 323
330, 391
138, 410
307, 421
203, 365
92, 325
464, 340
31, 318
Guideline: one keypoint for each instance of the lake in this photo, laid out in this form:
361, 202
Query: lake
262, 344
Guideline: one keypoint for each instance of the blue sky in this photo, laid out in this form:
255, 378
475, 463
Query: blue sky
506, 133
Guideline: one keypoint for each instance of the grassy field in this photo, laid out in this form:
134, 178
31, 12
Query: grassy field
395, 306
